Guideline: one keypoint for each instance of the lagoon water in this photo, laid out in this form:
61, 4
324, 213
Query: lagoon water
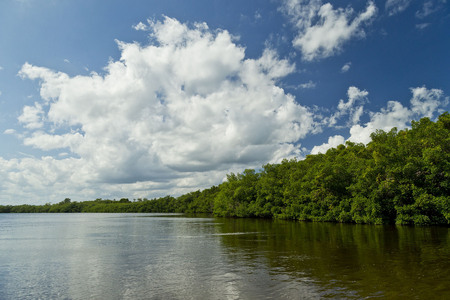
158, 256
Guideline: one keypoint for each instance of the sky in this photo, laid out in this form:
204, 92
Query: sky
142, 99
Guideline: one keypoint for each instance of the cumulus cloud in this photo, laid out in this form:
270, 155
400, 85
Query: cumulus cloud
323, 30
140, 26
394, 115
353, 107
333, 141
51, 82
394, 7
167, 117
31, 116
308, 85
424, 103
45, 141
346, 67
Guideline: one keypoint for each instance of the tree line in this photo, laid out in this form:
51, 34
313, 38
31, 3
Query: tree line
400, 177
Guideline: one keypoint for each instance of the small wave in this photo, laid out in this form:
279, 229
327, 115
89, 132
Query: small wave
234, 233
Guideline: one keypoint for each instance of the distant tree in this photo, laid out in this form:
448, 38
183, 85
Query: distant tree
65, 201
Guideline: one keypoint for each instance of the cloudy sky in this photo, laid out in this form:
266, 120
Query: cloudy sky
115, 98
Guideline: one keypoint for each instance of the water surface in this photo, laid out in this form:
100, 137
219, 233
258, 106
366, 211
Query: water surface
157, 256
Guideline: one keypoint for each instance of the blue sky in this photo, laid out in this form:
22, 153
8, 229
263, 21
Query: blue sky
136, 99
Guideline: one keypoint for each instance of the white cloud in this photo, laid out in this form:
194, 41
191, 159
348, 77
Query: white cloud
424, 103
353, 107
346, 67
394, 7
429, 7
28, 179
308, 85
52, 82
395, 115
168, 117
140, 26
47, 142
270, 64
422, 26
323, 30
31, 116
333, 141
9, 131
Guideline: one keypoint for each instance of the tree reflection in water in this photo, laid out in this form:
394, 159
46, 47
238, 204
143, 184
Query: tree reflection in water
347, 260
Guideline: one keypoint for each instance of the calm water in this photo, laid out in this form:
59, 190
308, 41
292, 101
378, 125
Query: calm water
154, 256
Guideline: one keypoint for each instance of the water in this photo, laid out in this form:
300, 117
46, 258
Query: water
157, 256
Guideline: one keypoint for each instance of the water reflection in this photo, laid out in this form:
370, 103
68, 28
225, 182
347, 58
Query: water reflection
349, 260
107, 256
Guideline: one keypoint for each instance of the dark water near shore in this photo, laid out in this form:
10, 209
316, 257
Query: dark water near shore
154, 256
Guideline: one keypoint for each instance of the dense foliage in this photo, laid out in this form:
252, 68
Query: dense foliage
400, 177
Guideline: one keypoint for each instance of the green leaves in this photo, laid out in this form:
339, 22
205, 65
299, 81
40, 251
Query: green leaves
400, 177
